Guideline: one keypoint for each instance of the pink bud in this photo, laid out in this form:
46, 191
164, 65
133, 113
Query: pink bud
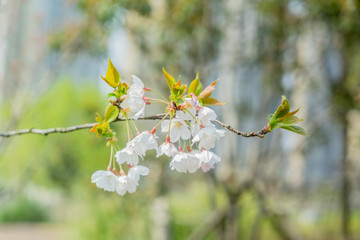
115, 172
168, 139
108, 168
147, 102
147, 89
129, 165
145, 98
189, 148
122, 173
180, 149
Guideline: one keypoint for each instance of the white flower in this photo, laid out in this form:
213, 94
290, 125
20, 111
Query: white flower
135, 98
207, 137
127, 155
206, 115
194, 101
129, 183
184, 162
178, 129
185, 115
188, 112
194, 127
143, 142
125, 184
208, 160
105, 180
137, 171
168, 149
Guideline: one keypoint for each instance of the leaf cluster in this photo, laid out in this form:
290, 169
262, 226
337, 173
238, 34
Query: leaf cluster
283, 118
178, 90
102, 128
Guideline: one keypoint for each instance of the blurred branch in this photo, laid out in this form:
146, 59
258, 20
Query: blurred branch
209, 224
45, 132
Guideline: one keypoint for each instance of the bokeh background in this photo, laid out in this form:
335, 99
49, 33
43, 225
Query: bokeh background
284, 186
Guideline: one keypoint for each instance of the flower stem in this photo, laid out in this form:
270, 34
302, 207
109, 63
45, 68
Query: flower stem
158, 100
128, 129
158, 94
161, 120
111, 155
168, 134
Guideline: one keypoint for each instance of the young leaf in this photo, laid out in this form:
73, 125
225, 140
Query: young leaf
169, 79
111, 95
95, 130
289, 119
99, 118
195, 86
293, 128
206, 93
111, 113
112, 76
211, 101
283, 109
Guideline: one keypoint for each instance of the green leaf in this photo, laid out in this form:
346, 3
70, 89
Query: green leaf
123, 88
195, 86
111, 113
283, 108
99, 118
289, 119
206, 93
169, 79
293, 128
211, 101
112, 95
112, 76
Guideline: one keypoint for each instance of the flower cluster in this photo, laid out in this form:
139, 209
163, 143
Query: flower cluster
187, 123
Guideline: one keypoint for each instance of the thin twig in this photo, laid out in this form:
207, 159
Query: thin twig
45, 132
259, 133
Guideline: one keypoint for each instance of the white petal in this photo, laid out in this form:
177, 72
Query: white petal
105, 180
137, 81
165, 125
137, 171
127, 155
121, 186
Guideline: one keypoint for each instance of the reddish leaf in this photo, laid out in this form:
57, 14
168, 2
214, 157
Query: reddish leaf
206, 93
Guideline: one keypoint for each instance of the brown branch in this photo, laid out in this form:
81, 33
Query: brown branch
259, 133
45, 132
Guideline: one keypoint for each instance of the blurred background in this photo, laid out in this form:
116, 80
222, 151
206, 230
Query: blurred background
284, 186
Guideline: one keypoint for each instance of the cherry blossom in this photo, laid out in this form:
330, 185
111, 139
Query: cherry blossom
178, 129
127, 155
205, 116
168, 149
207, 137
143, 142
137, 171
129, 183
207, 160
125, 184
105, 180
185, 162
188, 112
135, 98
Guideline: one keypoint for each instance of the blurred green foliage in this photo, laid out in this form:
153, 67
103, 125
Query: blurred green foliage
23, 210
